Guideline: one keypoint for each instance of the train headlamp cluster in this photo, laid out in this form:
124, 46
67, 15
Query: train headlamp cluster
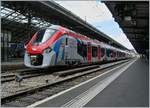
48, 50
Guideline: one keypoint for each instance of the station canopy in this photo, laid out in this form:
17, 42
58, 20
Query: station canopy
24, 18
133, 18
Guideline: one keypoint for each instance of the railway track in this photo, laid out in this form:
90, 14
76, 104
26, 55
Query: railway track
68, 77
35, 72
27, 73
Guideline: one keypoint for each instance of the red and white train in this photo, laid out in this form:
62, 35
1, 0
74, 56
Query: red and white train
57, 45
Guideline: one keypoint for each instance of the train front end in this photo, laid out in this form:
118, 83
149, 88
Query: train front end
39, 52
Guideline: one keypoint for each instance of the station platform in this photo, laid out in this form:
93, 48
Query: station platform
12, 65
124, 86
131, 89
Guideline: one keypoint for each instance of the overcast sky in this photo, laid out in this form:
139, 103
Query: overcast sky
98, 15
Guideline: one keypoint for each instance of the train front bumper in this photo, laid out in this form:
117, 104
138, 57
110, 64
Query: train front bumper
43, 60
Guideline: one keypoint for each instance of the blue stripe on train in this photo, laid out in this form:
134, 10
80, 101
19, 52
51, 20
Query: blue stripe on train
56, 48
63, 54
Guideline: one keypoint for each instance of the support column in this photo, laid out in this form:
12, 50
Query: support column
29, 24
2, 46
5, 46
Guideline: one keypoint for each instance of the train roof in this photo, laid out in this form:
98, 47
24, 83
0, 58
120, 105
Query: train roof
57, 27
86, 39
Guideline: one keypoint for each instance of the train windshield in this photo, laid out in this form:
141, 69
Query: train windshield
43, 35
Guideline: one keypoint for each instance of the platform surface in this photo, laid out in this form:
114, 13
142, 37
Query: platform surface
129, 89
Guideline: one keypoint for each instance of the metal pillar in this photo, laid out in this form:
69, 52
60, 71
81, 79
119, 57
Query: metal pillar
5, 36
2, 46
29, 24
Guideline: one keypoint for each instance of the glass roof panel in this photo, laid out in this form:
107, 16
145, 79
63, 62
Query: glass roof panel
17, 17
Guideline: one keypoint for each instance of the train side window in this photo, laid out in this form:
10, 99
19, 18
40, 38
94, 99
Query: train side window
94, 51
79, 47
84, 50
111, 53
102, 52
108, 52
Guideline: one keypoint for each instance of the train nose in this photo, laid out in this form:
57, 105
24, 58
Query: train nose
45, 59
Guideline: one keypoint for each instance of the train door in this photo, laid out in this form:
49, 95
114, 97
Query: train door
99, 54
66, 48
89, 53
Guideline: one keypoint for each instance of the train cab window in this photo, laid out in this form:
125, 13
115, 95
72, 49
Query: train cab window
94, 51
43, 35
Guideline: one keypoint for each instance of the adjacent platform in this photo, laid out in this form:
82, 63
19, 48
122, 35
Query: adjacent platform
12, 65
125, 86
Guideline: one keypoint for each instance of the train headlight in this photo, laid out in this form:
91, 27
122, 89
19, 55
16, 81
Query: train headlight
48, 50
